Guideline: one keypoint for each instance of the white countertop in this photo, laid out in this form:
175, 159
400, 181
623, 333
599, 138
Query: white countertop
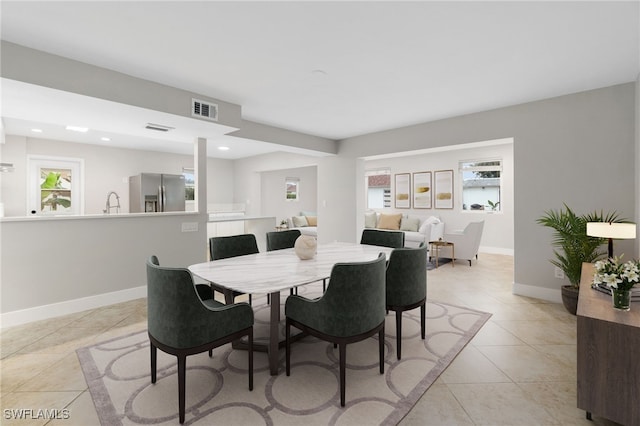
217, 217
91, 216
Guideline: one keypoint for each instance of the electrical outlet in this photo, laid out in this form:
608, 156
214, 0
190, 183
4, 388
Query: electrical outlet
559, 273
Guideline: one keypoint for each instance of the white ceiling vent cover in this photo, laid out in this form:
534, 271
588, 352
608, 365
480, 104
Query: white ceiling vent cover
202, 109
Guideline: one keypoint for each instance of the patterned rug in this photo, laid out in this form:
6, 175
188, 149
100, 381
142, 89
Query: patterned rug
117, 372
431, 264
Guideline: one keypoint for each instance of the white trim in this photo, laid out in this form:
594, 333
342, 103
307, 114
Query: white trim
496, 250
550, 294
23, 316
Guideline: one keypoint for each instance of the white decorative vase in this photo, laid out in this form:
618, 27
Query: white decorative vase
305, 247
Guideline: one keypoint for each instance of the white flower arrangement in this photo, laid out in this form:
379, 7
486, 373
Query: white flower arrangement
617, 275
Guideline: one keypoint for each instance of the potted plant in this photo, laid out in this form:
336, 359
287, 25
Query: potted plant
572, 246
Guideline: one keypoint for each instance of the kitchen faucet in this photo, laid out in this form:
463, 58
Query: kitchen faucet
108, 208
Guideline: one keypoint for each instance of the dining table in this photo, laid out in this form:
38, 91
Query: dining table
271, 272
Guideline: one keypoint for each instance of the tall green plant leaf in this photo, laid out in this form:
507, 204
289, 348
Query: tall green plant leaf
572, 245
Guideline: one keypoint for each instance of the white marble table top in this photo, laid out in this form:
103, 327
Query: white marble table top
278, 270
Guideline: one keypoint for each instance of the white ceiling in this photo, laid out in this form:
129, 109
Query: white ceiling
341, 69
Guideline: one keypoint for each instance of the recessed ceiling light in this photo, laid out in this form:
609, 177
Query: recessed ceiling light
104, 138
77, 129
223, 148
36, 130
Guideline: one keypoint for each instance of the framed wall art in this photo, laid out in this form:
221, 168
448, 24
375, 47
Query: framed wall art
422, 190
443, 189
403, 190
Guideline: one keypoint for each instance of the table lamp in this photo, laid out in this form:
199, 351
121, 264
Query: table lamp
611, 230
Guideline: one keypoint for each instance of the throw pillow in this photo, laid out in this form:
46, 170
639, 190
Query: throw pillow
390, 221
409, 224
299, 221
370, 220
312, 220
427, 223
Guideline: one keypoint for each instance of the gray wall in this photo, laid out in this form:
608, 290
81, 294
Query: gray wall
577, 149
49, 261
106, 169
498, 229
58, 265
274, 202
247, 183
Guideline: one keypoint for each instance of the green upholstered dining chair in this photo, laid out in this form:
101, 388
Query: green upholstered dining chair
231, 246
406, 282
282, 240
376, 237
181, 324
352, 309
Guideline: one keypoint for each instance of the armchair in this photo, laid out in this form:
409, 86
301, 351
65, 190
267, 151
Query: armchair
466, 242
352, 309
181, 324
406, 286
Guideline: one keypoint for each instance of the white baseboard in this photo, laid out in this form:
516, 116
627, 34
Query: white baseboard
37, 313
495, 250
550, 294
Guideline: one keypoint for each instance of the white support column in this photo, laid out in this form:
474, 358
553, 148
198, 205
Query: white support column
200, 172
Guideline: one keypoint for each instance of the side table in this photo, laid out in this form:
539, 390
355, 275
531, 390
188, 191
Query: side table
437, 245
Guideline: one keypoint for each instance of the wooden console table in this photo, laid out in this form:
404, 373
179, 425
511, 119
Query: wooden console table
608, 362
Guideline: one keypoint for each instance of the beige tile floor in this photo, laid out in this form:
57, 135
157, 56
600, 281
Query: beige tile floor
518, 370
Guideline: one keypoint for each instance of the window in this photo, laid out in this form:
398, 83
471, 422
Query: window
378, 188
481, 184
189, 184
292, 188
56, 185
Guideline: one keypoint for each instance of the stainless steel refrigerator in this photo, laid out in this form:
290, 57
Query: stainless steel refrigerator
155, 192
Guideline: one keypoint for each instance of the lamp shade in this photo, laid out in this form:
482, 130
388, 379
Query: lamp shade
611, 230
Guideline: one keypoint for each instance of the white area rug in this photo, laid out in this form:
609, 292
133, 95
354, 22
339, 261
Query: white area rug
118, 374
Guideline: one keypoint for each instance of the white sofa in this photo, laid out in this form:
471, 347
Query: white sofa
417, 229
306, 223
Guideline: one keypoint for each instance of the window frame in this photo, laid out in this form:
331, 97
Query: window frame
35, 165
499, 168
386, 199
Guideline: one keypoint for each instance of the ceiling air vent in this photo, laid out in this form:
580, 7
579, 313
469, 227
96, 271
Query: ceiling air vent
205, 110
158, 127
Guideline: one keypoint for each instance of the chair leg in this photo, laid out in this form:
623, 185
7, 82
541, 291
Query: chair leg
154, 358
324, 285
250, 337
381, 348
210, 353
423, 322
182, 367
288, 348
343, 367
399, 334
